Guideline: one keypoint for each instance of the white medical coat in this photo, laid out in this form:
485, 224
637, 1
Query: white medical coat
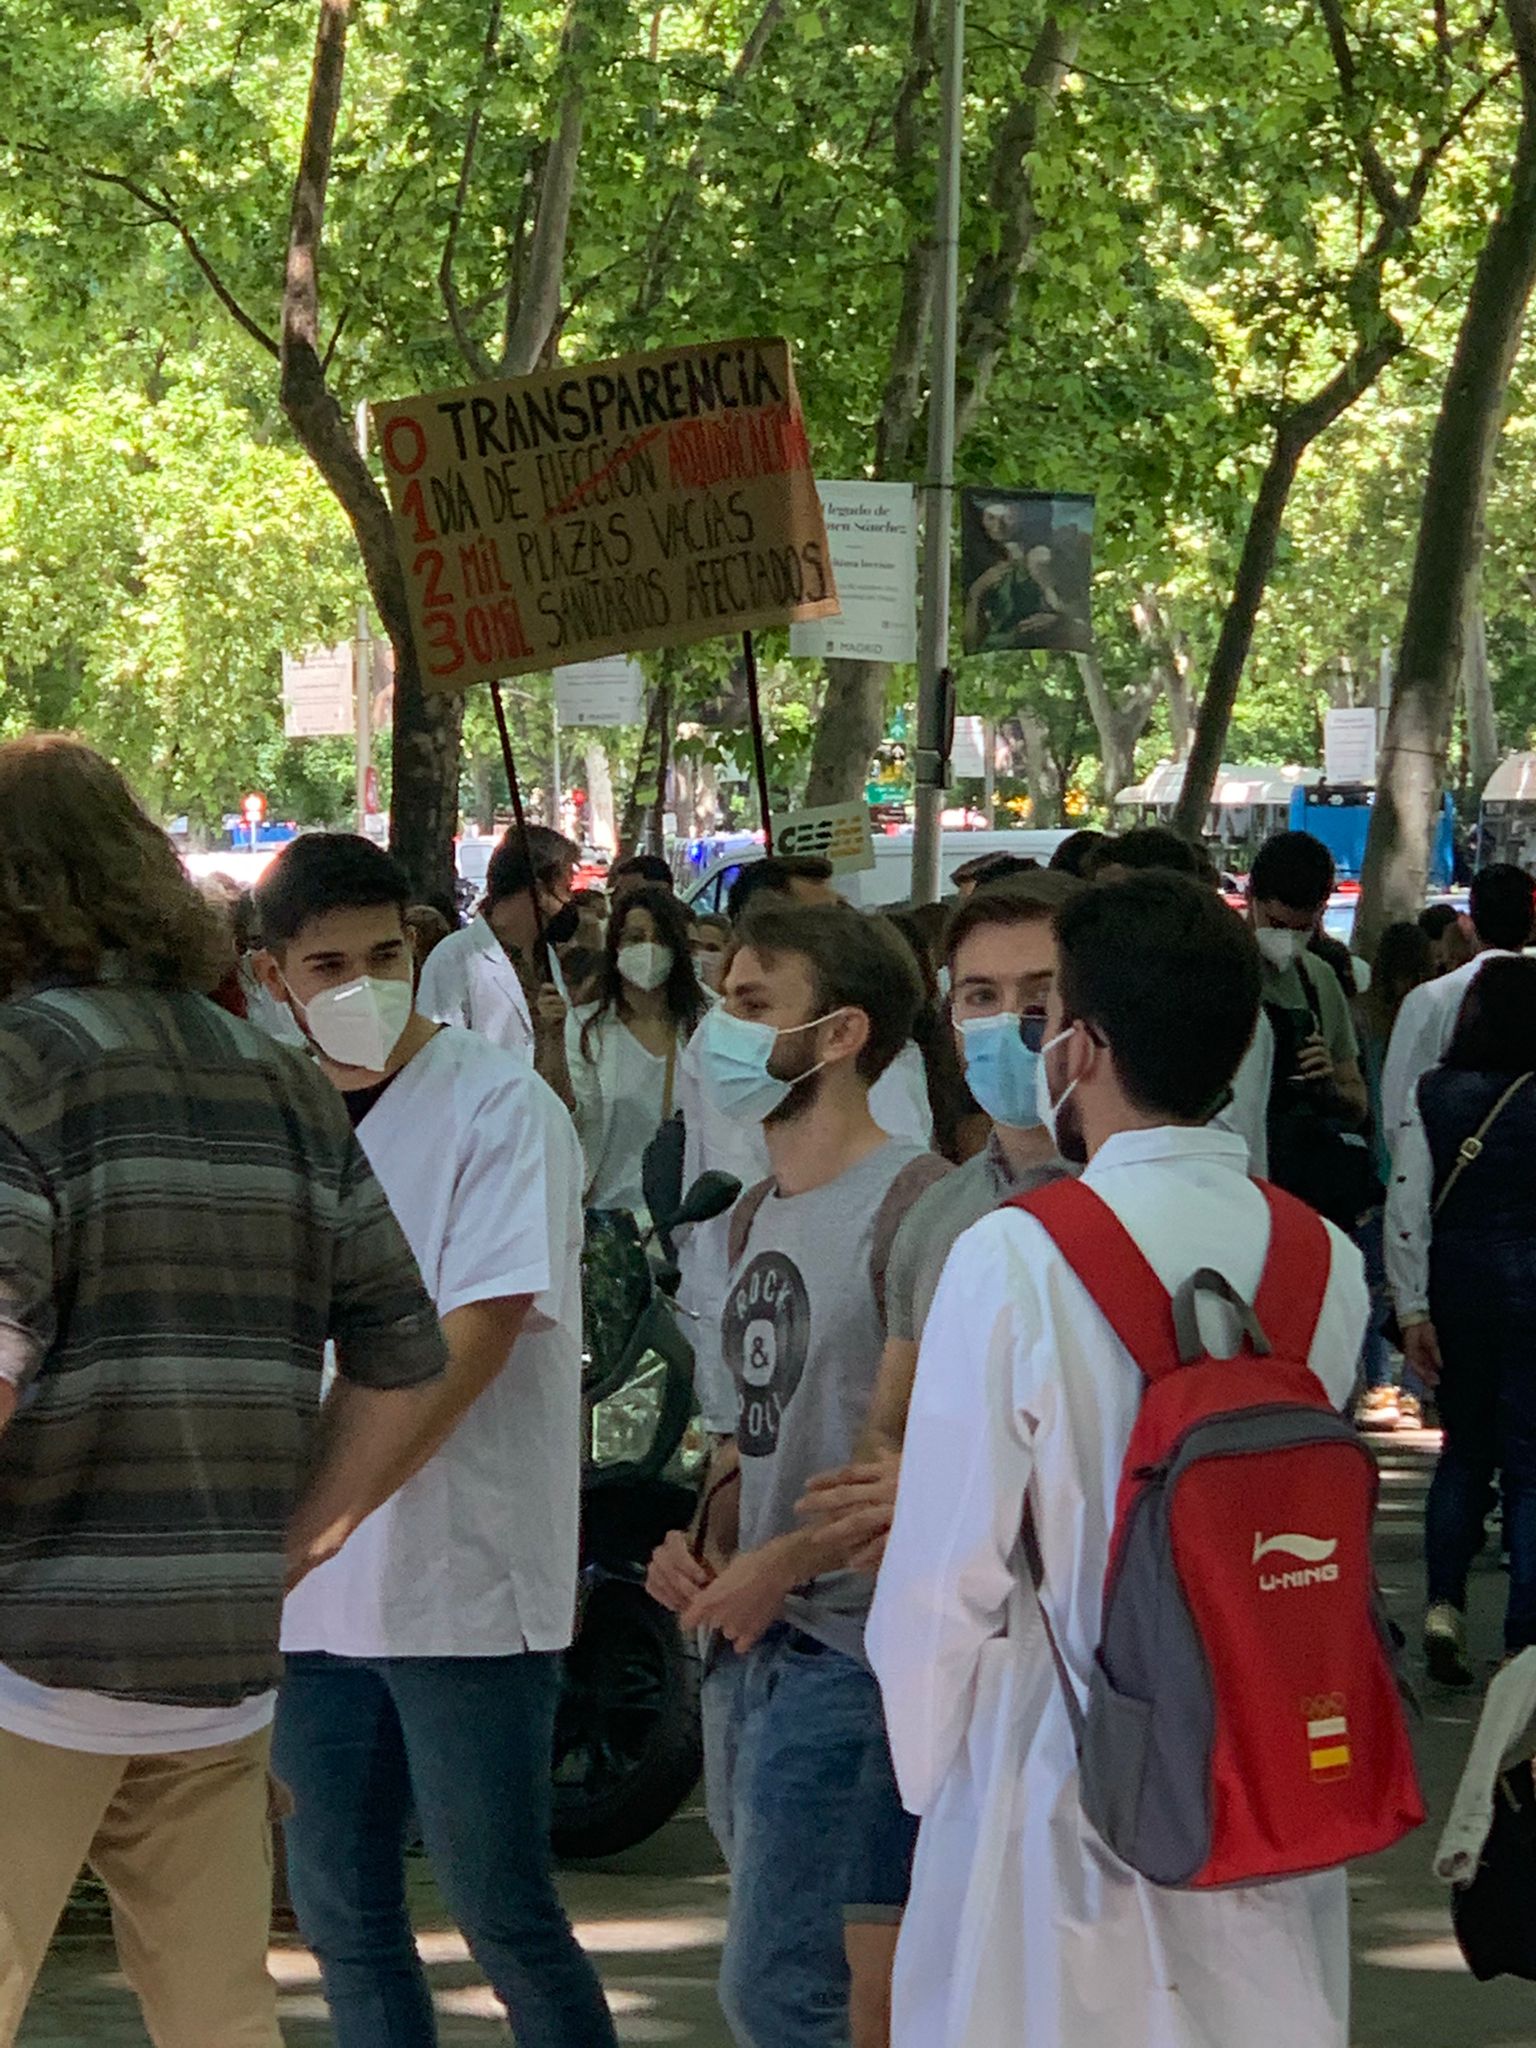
1023, 1931
469, 980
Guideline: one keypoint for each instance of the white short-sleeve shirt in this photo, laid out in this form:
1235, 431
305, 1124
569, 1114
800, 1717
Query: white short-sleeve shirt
475, 1556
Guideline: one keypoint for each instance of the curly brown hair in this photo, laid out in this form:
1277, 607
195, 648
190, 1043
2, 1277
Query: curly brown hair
89, 883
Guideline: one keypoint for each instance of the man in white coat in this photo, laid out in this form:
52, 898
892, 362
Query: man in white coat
1022, 1926
1501, 910
480, 977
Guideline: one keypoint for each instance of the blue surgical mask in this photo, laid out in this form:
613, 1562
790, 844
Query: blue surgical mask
1001, 1070
731, 1056
1049, 1110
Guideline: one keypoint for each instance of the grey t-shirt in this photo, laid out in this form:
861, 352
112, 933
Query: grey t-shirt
802, 1335
933, 1223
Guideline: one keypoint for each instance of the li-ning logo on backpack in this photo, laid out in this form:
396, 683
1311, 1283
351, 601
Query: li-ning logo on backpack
1314, 1554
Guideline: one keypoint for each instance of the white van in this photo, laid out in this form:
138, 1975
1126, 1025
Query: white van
890, 879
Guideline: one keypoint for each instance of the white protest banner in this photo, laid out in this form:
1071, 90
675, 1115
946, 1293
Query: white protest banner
1349, 746
609, 692
604, 508
968, 752
838, 833
872, 533
317, 693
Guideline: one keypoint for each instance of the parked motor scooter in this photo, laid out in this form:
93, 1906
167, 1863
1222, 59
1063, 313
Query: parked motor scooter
627, 1743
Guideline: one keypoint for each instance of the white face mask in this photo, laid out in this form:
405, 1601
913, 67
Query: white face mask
1047, 1109
707, 966
644, 964
1281, 948
360, 1023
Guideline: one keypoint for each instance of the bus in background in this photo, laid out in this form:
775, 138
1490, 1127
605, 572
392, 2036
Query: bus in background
1340, 815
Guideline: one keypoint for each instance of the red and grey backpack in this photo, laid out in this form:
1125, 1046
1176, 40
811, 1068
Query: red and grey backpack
1244, 1721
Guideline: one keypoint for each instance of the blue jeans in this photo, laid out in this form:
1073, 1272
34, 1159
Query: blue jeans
466, 1742
803, 1799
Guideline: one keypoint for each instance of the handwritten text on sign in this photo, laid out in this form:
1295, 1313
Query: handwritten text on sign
644, 502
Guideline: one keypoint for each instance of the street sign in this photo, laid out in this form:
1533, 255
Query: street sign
1349, 746
610, 692
968, 753
872, 533
835, 832
254, 808
317, 693
371, 791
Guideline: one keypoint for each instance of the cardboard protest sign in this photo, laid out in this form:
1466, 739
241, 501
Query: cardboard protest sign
603, 509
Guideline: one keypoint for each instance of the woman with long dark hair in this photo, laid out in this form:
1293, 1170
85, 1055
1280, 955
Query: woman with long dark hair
623, 1048
1461, 1258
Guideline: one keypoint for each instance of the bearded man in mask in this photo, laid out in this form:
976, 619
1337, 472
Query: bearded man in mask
817, 1004
498, 975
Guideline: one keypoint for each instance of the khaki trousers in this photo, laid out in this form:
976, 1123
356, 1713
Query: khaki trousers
182, 1844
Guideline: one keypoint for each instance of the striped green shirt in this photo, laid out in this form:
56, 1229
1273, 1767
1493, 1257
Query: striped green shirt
185, 1219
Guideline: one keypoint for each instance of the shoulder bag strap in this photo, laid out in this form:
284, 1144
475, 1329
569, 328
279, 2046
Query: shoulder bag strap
1295, 1278
1471, 1148
914, 1180
671, 1080
1112, 1267
743, 1216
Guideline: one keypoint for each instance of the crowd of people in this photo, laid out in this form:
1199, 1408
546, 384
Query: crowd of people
291, 1397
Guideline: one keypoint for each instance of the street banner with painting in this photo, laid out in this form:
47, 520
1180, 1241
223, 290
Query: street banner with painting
1026, 561
605, 508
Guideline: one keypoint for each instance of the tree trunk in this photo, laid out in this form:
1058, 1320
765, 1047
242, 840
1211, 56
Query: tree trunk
1119, 724
1040, 772
1166, 651
1451, 533
853, 709
655, 828
1294, 436
602, 828
1477, 692
638, 802
850, 729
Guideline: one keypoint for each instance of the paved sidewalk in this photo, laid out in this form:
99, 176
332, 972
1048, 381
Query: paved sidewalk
653, 1920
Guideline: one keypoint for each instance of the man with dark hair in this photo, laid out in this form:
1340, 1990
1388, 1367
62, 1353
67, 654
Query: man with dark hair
817, 1005
640, 870
489, 978
424, 1663
802, 877
1501, 913
988, 868
1318, 1099
1144, 847
1021, 1925
1075, 852
185, 1220
1449, 934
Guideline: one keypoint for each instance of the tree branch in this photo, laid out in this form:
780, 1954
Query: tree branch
533, 309
987, 312
475, 357
159, 208
664, 239
1383, 186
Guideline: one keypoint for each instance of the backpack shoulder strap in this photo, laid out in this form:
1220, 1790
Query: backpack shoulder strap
1295, 1278
914, 1180
743, 1216
1113, 1268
